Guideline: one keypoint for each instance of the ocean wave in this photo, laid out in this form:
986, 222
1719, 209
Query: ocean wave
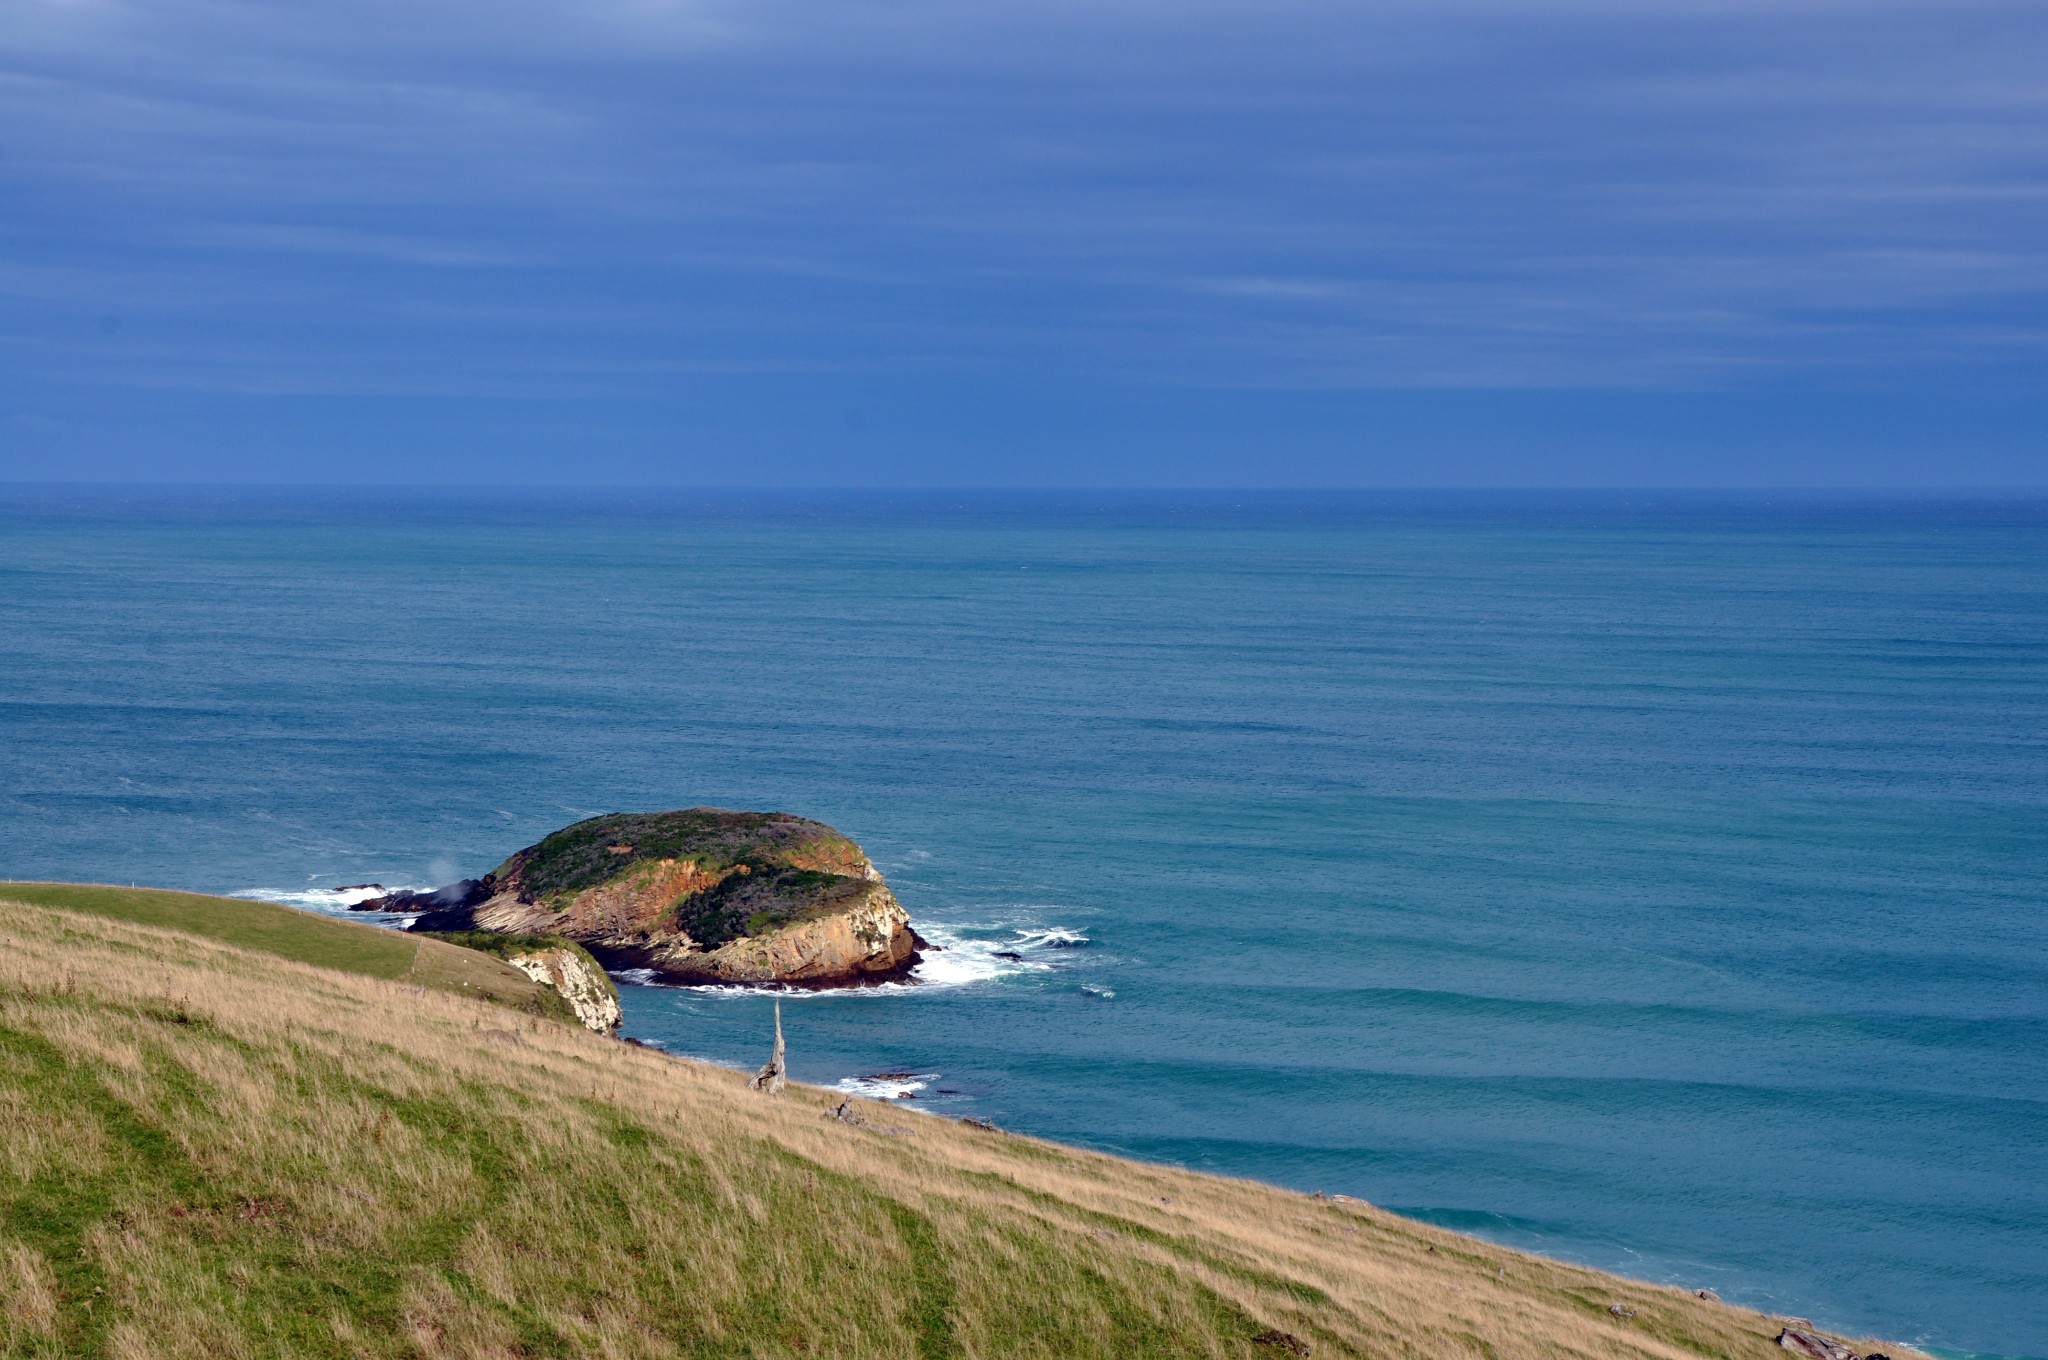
886, 1085
959, 959
333, 900
965, 954
741, 991
1052, 937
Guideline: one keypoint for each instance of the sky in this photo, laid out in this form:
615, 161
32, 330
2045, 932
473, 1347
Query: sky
1479, 243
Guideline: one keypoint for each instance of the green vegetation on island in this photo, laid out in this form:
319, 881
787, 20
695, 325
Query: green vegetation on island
214, 1144
698, 895
598, 850
757, 902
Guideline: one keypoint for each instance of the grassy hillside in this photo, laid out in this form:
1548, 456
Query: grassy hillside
207, 1150
307, 937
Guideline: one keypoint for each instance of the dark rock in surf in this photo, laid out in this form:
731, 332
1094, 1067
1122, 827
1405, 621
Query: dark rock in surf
452, 897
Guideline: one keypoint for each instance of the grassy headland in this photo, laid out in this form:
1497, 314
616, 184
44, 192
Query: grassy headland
214, 1144
308, 937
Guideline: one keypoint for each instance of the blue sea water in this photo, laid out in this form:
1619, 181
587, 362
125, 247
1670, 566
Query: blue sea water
1654, 881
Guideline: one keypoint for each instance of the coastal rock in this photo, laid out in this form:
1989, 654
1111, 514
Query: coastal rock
462, 893
579, 982
556, 963
1813, 1345
698, 895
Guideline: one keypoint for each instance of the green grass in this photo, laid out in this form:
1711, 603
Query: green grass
307, 937
508, 946
208, 1149
504, 946
283, 931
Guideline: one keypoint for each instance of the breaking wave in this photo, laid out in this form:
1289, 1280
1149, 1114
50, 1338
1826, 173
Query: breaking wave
886, 1085
335, 901
1054, 937
966, 954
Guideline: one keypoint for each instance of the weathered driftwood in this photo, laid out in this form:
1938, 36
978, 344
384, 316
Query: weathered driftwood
771, 1079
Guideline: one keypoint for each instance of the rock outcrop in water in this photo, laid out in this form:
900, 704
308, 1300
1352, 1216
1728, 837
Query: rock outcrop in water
699, 895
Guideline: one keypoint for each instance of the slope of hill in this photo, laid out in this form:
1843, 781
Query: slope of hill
307, 937
209, 1149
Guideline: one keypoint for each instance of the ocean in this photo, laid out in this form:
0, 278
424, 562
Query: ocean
1656, 881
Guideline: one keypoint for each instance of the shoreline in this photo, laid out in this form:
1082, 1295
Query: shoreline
1896, 1350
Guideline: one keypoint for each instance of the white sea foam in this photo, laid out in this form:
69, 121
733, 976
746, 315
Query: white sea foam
1052, 937
741, 991
336, 900
960, 959
966, 954
886, 1085
733, 991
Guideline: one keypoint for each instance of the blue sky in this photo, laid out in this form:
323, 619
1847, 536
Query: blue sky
1469, 242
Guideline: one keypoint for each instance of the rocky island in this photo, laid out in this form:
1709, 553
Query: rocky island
698, 895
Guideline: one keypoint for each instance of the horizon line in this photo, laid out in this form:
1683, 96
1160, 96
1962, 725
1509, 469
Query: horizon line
1853, 489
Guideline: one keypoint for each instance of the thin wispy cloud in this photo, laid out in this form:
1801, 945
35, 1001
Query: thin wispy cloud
457, 198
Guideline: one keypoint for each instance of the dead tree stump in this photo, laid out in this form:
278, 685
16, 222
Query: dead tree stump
771, 1079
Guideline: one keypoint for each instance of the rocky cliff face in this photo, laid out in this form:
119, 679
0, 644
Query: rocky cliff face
865, 937
700, 895
579, 982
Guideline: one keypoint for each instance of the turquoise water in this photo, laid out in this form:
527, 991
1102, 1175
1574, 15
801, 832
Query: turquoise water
1655, 882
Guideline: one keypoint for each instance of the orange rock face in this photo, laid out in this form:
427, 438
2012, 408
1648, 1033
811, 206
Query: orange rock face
699, 895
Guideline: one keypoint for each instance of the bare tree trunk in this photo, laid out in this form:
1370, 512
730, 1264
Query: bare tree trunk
769, 1080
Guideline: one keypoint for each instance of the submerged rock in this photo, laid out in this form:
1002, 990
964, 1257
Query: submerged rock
698, 895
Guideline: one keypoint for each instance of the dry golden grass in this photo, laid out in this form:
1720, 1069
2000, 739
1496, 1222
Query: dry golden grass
304, 936
206, 1151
